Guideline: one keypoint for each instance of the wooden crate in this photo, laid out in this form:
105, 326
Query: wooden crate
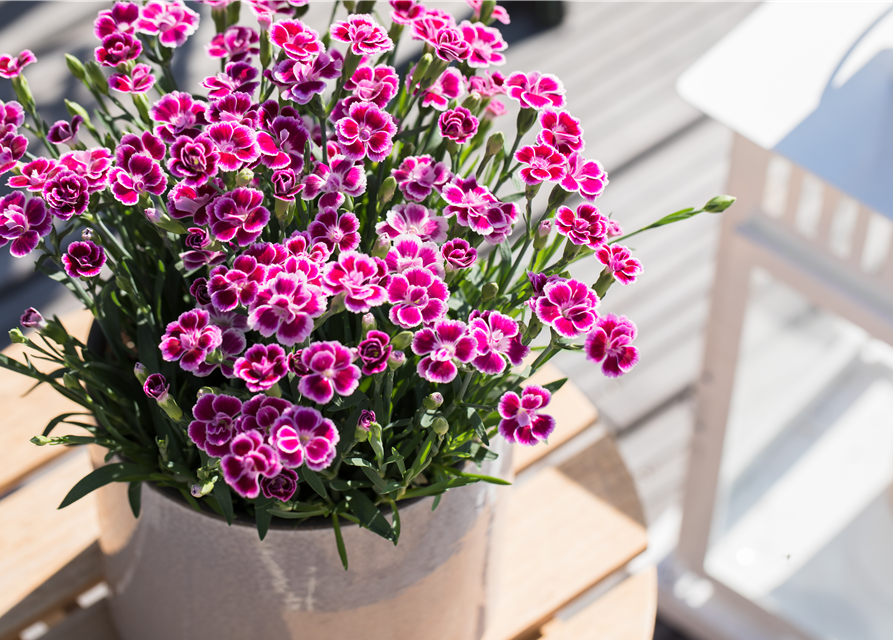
574, 521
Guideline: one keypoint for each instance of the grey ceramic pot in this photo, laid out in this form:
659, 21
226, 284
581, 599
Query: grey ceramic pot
175, 574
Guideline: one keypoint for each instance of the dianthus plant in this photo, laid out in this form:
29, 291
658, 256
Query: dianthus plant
318, 268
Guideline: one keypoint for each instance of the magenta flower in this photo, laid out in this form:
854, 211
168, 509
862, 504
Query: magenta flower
540, 163
193, 159
261, 412
300, 42
376, 85
409, 252
118, 48
417, 296
194, 260
303, 436
587, 226
417, 176
568, 306
134, 176
475, 207
458, 254
240, 285
449, 86
444, 344
237, 76
146, 143
34, 175
32, 319
357, 276
610, 343
121, 18
232, 343
236, 108
11, 67
280, 487
341, 175
365, 36
536, 90
63, 131
620, 261
495, 109
485, 43
450, 45
367, 131
405, 11
282, 144
286, 306
499, 13
286, 185
156, 387
584, 176
488, 84
177, 113
366, 419
12, 148
12, 116
236, 144
23, 224
184, 201
335, 231
498, 339
190, 339
215, 423
262, 366
140, 80
560, 130
199, 290
457, 124
248, 460
66, 194
236, 44
300, 82
374, 352
331, 371
170, 20
93, 165
521, 421
431, 24
415, 220
299, 245
83, 260
240, 215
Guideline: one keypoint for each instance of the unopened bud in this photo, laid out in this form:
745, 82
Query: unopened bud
402, 340
141, 102
32, 319
164, 221
97, 78
365, 6
350, 5
396, 360
244, 177
487, 7
40, 440
719, 204
432, 401
17, 337
542, 235
571, 250
266, 49
316, 107
386, 192
526, 119
141, 373
87, 235
337, 304
75, 66
489, 291
495, 143
531, 190
472, 102
440, 425
70, 382
382, 247
285, 211
369, 323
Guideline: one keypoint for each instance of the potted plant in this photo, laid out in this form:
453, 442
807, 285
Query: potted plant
316, 286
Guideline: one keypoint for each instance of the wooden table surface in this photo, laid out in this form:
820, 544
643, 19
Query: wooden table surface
575, 522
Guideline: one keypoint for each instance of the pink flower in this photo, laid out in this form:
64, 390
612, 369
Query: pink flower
237, 77
215, 423
184, 201
450, 45
300, 246
236, 108
171, 21
83, 260
458, 254
541, 162
363, 34
415, 220
367, 131
365, 420
475, 207
300, 42
135, 175
240, 215
449, 86
587, 226
118, 48
536, 90
336, 231
63, 131
236, 44
458, 124
23, 224
240, 285
620, 261
11, 67
431, 24
194, 160
497, 340
140, 80
282, 144
261, 413
494, 109
485, 43
376, 85
560, 130
584, 176
232, 343
341, 175
417, 296
488, 84
12, 148
300, 82
303, 436
248, 460
417, 176
498, 13
93, 165
331, 371
12, 116
236, 144
405, 11
280, 487
568, 306
374, 352
410, 252
146, 143
261, 367
34, 175
194, 260
177, 113
357, 276
610, 343
444, 344
521, 421
286, 306
121, 18
286, 185
190, 339
66, 194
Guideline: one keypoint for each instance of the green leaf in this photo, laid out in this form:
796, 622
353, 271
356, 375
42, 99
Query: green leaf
116, 472
436, 501
359, 462
555, 386
476, 476
262, 515
347, 485
376, 479
478, 425
342, 551
315, 483
369, 515
225, 500
134, 496
513, 197
296, 515
398, 458
438, 487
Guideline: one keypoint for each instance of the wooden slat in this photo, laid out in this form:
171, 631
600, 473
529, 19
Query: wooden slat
93, 623
22, 419
38, 541
626, 612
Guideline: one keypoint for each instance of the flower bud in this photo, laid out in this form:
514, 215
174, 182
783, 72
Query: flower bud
244, 177
17, 337
440, 425
382, 247
23, 92
155, 386
396, 360
266, 49
366, 420
386, 192
369, 323
432, 401
336, 305
365, 6
495, 143
97, 78
75, 66
350, 5
570, 250
32, 319
489, 291
531, 190
472, 102
316, 107
421, 69
141, 373
164, 221
557, 197
87, 235
201, 490
70, 382
719, 204
141, 102
542, 235
526, 119
487, 7
402, 340
40, 440
285, 211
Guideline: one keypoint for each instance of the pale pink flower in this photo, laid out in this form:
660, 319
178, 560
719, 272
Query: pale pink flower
176, 114
457, 124
286, 306
11, 66
584, 176
140, 80
331, 370
417, 176
341, 175
35, 174
237, 77
406, 11
170, 20
413, 219
366, 132
560, 130
303, 436
121, 18
410, 252
498, 340
449, 86
585, 226
417, 296
336, 231
236, 44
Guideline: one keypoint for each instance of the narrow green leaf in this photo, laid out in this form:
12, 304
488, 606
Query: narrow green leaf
438, 487
476, 476
315, 483
436, 501
134, 496
297, 515
262, 516
117, 472
359, 462
376, 479
225, 500
347, 485
369, 515
342, 551
555, 386
478, 425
